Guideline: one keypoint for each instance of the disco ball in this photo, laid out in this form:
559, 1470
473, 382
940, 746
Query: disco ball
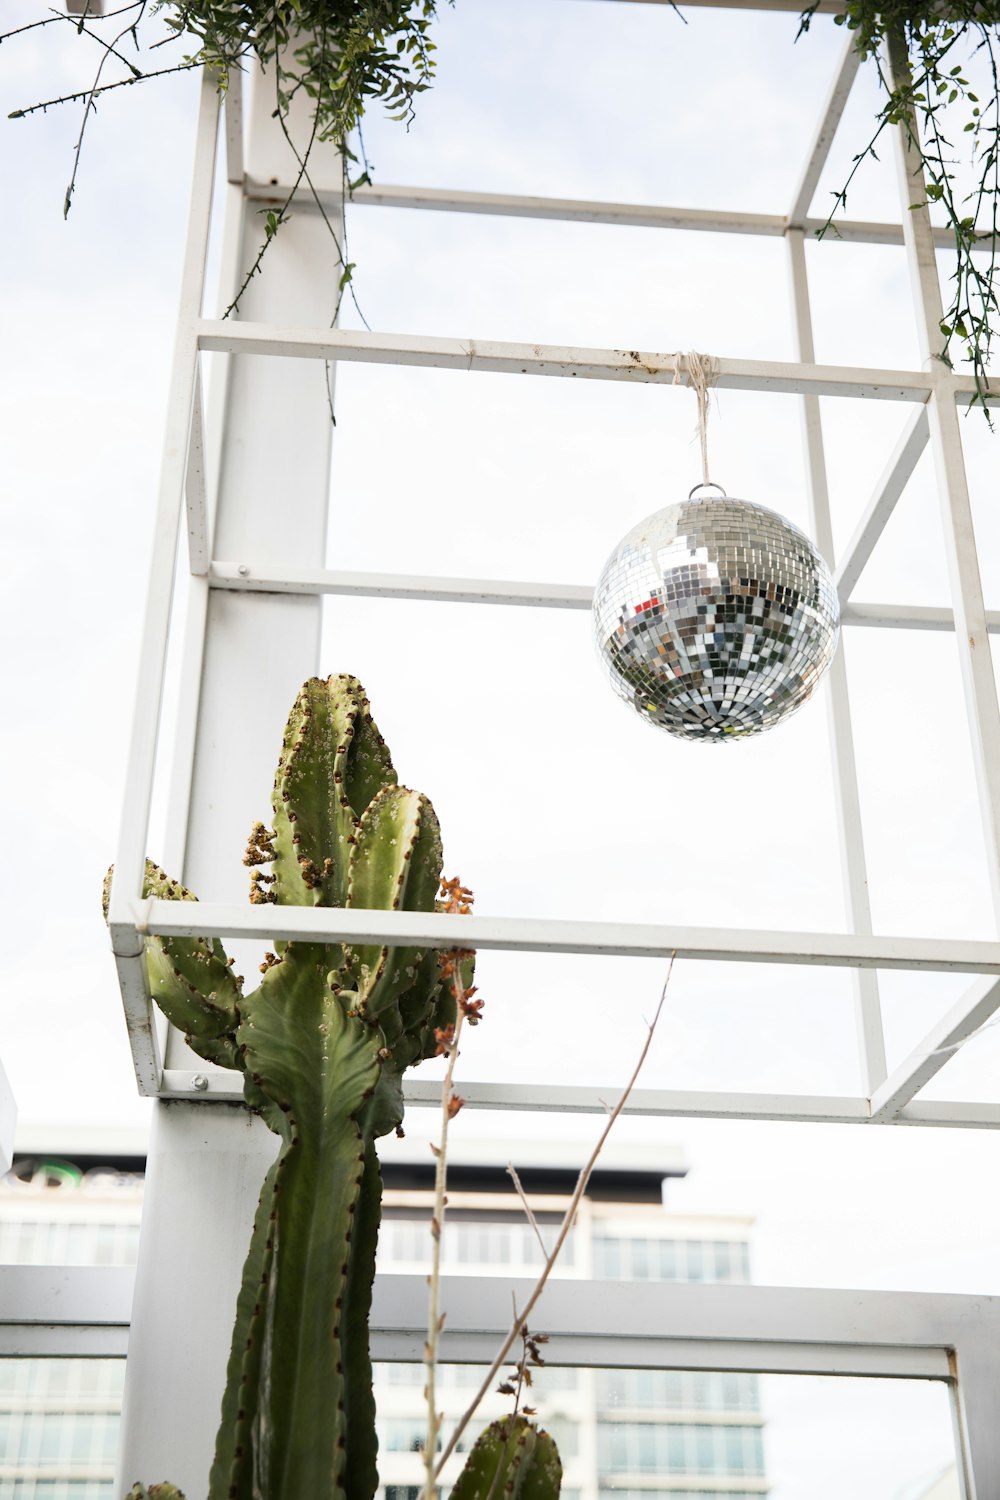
715, 618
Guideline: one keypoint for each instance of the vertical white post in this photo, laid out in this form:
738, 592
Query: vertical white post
153, 651
868, 1011
973, 642
272, 501
203, 1177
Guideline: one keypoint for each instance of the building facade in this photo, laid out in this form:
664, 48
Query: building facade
630, 1434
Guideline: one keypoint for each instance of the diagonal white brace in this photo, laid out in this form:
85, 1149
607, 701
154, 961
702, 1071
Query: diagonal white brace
847, 69
905, 457
935, 1049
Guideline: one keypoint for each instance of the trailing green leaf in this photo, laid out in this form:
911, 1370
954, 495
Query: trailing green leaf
934, 52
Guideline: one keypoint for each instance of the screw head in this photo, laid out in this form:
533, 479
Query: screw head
243, 570
199, 1082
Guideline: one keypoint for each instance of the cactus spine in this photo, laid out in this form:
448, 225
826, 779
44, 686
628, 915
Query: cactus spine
322, 1044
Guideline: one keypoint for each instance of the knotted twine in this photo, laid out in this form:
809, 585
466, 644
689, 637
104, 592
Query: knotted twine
700, 372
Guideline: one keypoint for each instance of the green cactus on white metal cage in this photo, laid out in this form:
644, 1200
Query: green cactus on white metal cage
322, 1044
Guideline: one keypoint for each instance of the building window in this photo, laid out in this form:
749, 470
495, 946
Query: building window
617, 1258
470, 1244
679, 1448
676, 1390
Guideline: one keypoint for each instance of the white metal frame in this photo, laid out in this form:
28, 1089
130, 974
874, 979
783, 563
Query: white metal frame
933, 391
60, 1312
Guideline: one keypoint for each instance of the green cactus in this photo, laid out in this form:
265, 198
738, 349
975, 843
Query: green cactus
513, 1458
322, 1044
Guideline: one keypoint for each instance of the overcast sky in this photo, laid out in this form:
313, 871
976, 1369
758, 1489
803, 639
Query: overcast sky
554, 800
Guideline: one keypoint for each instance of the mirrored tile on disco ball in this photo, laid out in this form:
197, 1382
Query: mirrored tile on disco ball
715, 618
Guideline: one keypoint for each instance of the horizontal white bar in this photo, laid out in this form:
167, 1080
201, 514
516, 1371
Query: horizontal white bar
539, 935
583, 211
909, 617
220, 1086
564, 360
261, 578
92, 1296
666, 1325
45, 1341
85, 1311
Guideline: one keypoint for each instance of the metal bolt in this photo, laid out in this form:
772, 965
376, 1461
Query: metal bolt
243, 570
199, 1082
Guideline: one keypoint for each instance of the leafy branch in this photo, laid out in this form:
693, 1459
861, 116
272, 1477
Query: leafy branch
340, 55
928, 98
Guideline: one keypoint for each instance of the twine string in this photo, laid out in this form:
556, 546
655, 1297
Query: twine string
700, 372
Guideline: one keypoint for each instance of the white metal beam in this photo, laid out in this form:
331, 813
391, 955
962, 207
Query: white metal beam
195, 488
130, 864
663, 1324
492, 356
905, 457
544, 935
222, 1086
938, 1047
587, 211
847, 798
65, 1311
909, 617
233, 116
263, 578
833, 109
974, 653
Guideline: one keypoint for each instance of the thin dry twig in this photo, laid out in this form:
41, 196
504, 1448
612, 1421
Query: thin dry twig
457, 899
512, 1174
564, 1229
434, 1318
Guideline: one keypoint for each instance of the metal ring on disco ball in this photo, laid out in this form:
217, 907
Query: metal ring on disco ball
715, 618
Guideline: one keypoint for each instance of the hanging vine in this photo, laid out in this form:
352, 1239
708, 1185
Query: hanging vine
341, 55
954, 126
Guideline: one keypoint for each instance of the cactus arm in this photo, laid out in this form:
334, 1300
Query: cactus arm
513, 1459
395, 864
232, 1467
190, 979
319, 1065
332, 762
369, 765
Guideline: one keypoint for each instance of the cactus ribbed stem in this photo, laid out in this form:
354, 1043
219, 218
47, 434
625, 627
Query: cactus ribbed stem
322, 1043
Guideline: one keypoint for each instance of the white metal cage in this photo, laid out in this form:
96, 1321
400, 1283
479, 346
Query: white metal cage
227, 560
